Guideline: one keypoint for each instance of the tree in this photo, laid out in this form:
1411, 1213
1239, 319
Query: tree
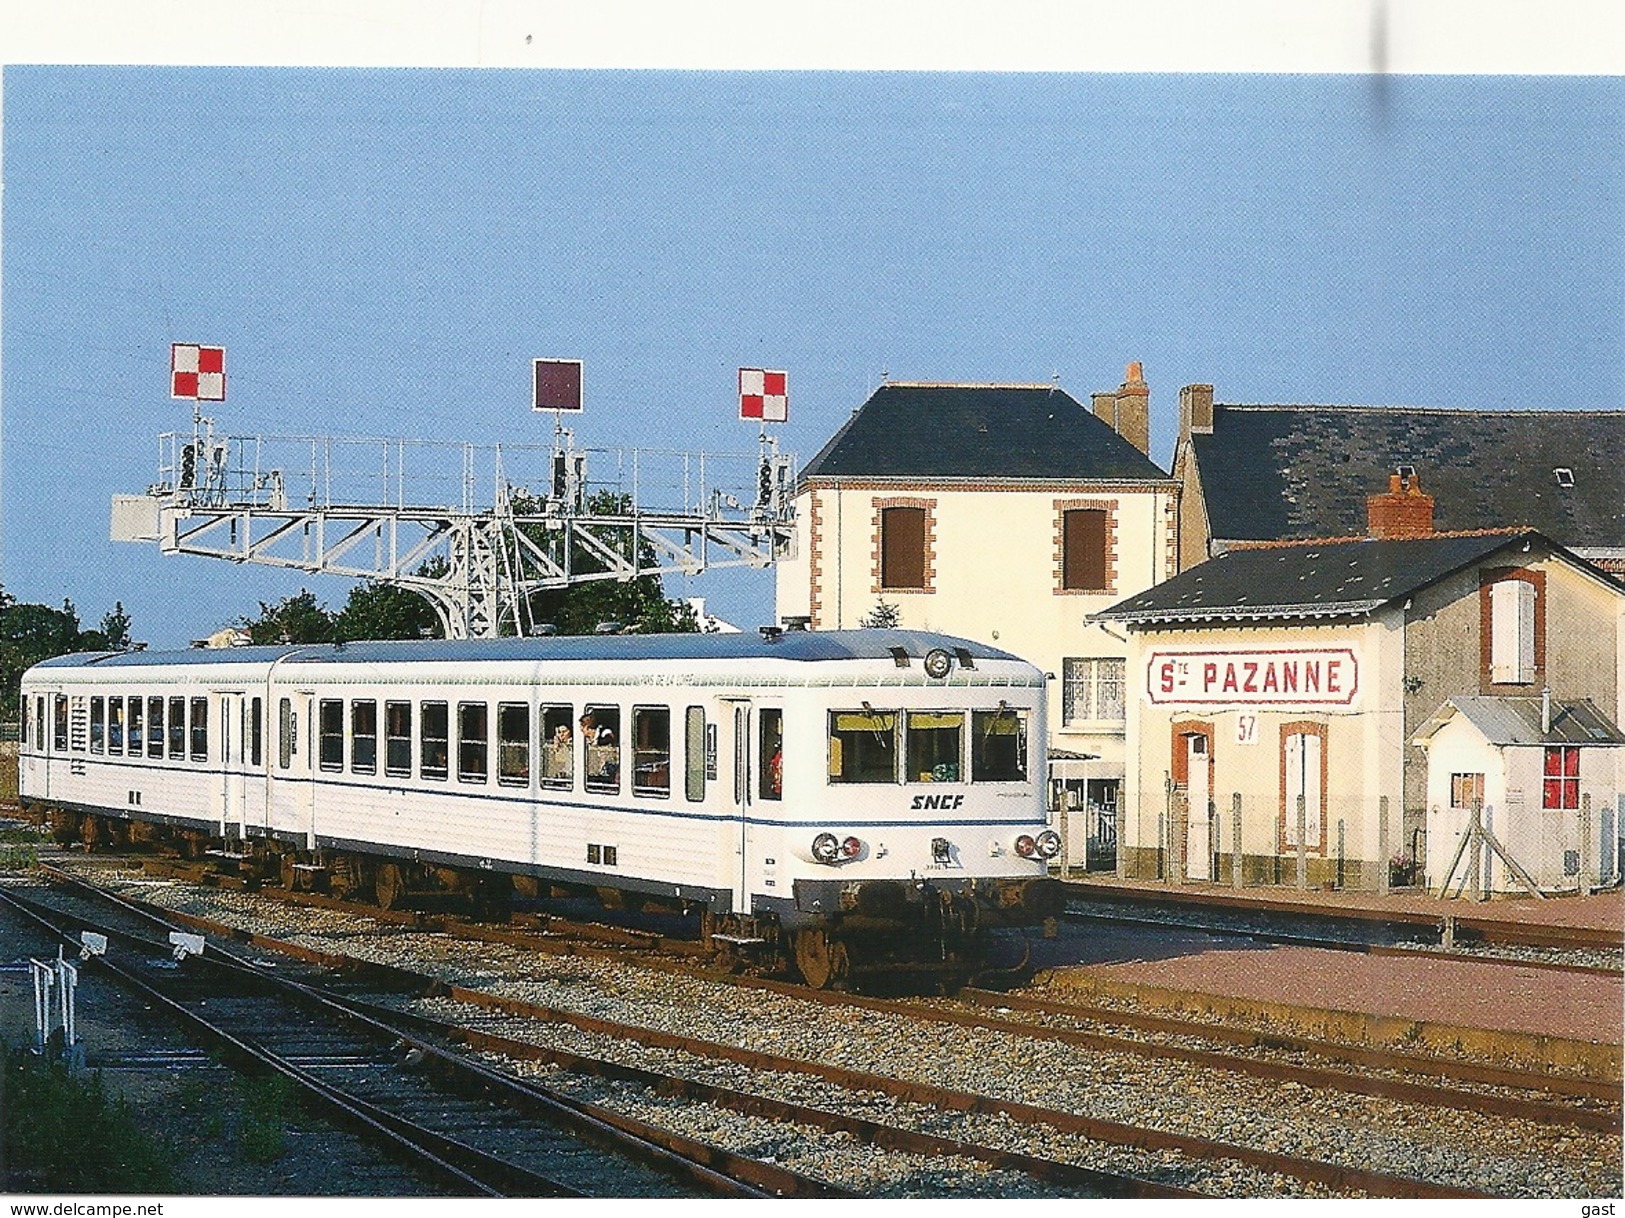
116, 627
377, 610
30, 633
884, 616
293, 619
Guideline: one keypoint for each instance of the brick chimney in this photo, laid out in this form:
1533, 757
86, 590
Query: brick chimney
1195, 411
1129, 409
1401, 511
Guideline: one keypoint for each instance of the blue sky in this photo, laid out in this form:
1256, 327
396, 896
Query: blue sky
382, 251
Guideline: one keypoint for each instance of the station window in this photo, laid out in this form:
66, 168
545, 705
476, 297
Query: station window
98, 724
558, 746
513, 744
1092, 689
902, 547
256, 732
398, 739
651, 750
155, 727
135, 734
473, 741
115, 725
200, 729
364, 736
330, 734
177, 729
1083, 550
934, 740
998, 749
863, 746
694, 745
601, 749
770, 748
1466, 790
433, 741
1560, 787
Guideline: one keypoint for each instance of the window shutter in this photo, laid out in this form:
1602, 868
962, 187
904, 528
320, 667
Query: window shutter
1512, 632
1083, 549
902, 547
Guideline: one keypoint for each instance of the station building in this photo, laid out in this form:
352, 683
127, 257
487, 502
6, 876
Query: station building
1341, 705
1005, 513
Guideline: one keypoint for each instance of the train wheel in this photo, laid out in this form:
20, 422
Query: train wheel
821, 962
390, 885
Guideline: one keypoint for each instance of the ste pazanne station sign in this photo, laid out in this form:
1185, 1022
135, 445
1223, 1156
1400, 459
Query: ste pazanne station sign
1289, 676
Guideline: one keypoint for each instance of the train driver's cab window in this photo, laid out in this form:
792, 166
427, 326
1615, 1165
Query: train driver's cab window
600, 731
558, 746
651, 750
134, 731
285, 733
115, 725
364, 736
433, 748
398, 739
770, 748
177, 729
473, 741
934, 740
998, 745
330, 734
155, 727
513, 744
200, 729
863, 746
98, 725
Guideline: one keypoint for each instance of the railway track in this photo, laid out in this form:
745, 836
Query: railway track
1328, 1176
466, 1126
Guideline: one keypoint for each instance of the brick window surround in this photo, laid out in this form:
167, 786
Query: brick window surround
1486, 580
928, 560
1302, 727
1178, 756
1109, 558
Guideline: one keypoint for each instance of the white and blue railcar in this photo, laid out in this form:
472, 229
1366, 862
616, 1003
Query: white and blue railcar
859, 799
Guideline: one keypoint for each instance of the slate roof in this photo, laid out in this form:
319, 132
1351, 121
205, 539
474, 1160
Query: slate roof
1335, 578
1515, 721
804, 645
978, 431
1272, 472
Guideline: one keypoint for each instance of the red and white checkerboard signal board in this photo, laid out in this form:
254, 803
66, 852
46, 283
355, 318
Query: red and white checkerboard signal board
764, 395
197, 372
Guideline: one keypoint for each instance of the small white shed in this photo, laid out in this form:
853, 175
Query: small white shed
1546, 775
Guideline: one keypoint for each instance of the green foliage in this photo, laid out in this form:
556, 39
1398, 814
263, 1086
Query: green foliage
293, 619
385, 611
115, 627
884, 616
64, 1134
30, 633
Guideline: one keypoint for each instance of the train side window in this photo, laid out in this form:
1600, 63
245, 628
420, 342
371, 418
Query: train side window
601, 750
651, 750
256, 732
330, 734
934, 742
998, 748
59, 723
513, 744
770, 749
155, 727
398, 739
434, 750
135, 734
364, 736
863, 746
694, 754
115, 725
177, 729
285, 733
473, 741
98, 724
200, 729
558, 746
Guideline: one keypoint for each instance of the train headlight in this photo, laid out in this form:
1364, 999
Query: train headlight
1048, 844
826, 848
1026, 847
851, 847
937, 663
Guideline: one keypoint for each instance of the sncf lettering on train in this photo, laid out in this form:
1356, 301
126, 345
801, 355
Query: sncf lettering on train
937, 803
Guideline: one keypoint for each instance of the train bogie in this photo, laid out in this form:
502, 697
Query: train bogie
868, 793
